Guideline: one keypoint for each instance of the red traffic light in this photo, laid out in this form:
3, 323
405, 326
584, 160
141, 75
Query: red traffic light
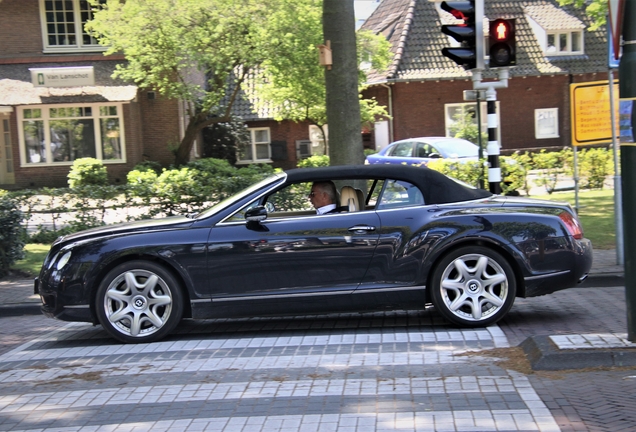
502, 50
502, 30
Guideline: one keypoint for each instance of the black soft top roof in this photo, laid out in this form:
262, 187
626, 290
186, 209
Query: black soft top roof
436, 187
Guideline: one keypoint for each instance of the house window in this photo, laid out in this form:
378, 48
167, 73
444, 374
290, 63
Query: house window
258, 150
319, 146
63, 25
458, 112
561, 43
546, 123
59, 134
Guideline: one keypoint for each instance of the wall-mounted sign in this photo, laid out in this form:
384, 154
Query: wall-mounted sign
63, 77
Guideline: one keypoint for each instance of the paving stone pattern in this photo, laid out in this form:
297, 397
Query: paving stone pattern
343, 373
389, 371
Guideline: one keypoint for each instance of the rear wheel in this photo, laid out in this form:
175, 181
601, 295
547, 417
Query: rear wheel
473, 286
139, 302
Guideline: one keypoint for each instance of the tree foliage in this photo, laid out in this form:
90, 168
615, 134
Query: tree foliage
294, 81
595, 9
168, 44
204, 52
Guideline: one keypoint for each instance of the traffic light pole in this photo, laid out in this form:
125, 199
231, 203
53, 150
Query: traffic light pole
627, 89
494, 170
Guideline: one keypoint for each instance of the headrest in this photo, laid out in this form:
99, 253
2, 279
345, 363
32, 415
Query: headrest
349, 198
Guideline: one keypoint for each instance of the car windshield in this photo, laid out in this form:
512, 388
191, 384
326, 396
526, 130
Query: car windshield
239, 196
458, 148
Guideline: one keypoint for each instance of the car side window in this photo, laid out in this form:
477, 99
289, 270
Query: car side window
404, 149
422, 150
398, 193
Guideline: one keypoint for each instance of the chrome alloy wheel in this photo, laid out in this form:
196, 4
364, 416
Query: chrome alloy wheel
474, 287
138, 303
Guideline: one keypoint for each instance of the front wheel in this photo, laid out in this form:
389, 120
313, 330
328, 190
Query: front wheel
139, 302
473, 286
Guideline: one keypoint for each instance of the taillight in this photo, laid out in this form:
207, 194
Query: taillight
572, 224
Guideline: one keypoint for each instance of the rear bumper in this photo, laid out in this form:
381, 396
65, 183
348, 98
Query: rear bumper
549, 282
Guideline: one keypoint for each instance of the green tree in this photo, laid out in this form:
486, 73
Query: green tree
596, 9
294, 81
167, 42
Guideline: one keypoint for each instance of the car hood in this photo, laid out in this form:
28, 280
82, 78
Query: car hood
128, 227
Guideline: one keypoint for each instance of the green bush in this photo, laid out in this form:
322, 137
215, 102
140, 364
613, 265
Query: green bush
87, 172
524, 160
550, 165
314, 162
514, 175
11, 233
595, 165
468, 172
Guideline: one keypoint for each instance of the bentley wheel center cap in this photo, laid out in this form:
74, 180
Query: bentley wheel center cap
139, 302
473, 286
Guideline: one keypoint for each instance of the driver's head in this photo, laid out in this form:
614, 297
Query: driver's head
323, 193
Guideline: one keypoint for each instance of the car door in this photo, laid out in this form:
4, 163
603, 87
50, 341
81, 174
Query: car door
403, 239
402, 153
287, 257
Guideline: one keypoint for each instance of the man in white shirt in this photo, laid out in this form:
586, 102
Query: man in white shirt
323, 197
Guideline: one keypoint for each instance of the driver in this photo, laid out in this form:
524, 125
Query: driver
323, 197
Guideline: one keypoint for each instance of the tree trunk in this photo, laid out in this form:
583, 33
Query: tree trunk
182, 155
343, 105
194, 127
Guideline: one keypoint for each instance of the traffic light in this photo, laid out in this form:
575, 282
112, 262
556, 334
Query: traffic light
469, 34
502, 43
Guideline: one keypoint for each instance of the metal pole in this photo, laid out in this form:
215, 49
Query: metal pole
479, 141
494, 171
627, 86
576, 179
618, 203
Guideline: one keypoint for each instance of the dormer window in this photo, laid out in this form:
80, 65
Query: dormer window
558, 32
564, 43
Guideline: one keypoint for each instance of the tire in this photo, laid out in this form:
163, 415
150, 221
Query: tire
139, 302
473, 286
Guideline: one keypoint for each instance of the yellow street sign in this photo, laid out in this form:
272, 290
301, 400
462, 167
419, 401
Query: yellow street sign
590, 112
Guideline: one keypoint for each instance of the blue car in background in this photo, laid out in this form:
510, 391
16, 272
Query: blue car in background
420, 151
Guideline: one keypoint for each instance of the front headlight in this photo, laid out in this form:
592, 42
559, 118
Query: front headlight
63, 260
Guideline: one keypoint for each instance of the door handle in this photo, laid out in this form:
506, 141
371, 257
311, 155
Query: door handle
361, 229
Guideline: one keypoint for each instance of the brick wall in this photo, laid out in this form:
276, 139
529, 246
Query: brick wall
286, 131
418, 107
20, 28
159, 126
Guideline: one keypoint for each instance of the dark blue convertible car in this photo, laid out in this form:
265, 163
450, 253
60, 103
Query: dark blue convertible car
405, 238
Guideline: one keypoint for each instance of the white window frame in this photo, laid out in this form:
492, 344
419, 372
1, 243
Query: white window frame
568, 48
448, 118
96, 116
254, 143
78, 30
318, 140
546, 123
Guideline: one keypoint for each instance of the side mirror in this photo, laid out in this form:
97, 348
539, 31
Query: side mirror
256, 214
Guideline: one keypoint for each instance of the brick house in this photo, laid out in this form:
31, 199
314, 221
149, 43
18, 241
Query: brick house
424, 90
59, 103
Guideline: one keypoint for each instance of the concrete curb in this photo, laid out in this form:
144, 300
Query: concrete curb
603, 280
20, 309
543, 354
